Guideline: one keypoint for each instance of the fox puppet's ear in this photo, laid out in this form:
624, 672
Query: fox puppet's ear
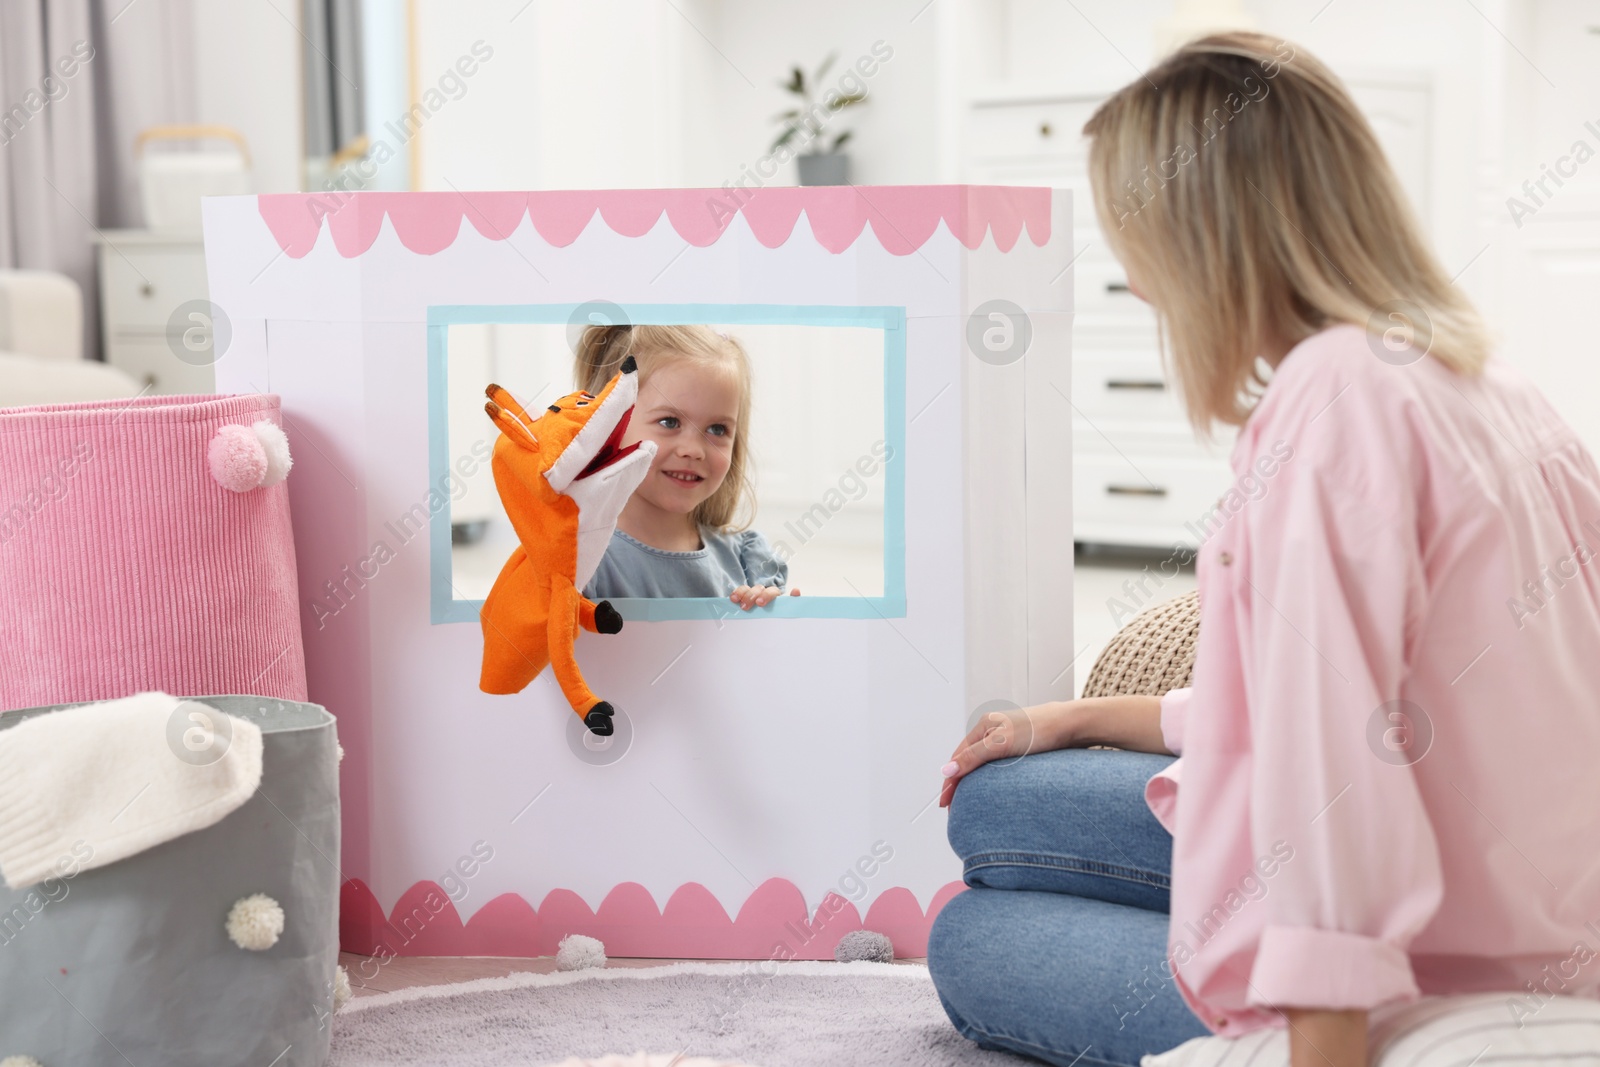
510, 417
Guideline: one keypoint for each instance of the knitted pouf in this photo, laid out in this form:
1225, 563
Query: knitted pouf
1152, 654
145, 545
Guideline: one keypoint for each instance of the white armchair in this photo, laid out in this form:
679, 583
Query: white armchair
41, 344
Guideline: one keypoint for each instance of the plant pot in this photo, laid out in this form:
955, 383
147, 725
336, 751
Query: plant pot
824, 168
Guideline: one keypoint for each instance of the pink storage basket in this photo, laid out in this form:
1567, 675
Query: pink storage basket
125, 565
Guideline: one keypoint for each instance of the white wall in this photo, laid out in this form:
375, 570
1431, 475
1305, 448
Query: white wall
1544, 267
631, 93
247, 75
897, 130
385, 29
574, 95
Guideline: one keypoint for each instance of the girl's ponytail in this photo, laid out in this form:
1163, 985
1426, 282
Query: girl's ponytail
600, 352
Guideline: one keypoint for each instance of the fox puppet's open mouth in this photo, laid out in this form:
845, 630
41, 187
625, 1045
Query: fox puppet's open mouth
611, 451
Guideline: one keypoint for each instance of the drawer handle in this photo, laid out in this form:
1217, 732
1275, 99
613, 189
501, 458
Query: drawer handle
1136, 490
1154, 385
1117, 287
1044, 129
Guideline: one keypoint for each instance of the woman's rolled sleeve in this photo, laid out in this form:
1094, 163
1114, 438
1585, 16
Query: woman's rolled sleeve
1301, 966
1174, 713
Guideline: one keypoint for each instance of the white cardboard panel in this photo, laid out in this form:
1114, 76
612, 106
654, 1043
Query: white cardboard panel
776, 748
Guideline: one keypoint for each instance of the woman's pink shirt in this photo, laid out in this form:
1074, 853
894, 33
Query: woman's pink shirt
1390, 772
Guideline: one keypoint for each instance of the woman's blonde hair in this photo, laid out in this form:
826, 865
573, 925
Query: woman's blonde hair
1252, 203
600, 352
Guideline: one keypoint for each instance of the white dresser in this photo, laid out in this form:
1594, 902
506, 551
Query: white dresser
1140, 475
146, 277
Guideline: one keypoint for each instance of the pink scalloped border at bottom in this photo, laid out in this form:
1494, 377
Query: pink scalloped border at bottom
772, 923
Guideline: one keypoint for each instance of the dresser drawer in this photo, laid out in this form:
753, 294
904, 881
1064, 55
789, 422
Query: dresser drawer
150, 362
1128, 387
1141, 499
1136, 440
1102, 283
1103, 302
143, 286
1052, 128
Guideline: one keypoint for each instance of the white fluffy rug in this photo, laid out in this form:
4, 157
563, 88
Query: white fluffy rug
767, 1014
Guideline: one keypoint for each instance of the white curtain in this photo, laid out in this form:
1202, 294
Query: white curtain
78, 80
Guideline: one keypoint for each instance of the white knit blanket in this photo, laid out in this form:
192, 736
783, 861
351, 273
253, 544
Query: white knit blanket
87, 786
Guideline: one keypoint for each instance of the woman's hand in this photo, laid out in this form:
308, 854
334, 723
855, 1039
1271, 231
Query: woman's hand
1320, 1038
757, 596
1007, 735
1130, 722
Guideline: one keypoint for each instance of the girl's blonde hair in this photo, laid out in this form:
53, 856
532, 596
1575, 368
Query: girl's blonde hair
600, 352
1249, 198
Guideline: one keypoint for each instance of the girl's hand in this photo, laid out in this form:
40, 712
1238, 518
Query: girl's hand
757, 596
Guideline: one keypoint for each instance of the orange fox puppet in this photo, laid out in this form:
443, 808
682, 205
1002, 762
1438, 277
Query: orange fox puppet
563, 478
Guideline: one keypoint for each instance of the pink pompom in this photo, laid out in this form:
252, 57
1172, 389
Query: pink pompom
238, 462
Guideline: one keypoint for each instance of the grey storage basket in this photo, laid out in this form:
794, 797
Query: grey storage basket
131, 962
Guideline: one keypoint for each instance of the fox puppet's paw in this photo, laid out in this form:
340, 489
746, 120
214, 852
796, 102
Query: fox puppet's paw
599, 720
607, 619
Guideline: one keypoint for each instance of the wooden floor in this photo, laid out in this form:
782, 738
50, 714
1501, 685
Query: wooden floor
370, 974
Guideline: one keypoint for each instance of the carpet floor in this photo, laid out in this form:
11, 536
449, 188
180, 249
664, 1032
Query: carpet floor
800, 1014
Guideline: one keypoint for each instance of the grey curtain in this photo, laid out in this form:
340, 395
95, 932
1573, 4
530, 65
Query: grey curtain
333, 75
78, 80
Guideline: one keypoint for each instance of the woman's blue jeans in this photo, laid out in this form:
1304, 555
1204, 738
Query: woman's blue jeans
1058, 948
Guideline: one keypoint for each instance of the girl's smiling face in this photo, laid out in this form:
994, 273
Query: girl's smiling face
691, 412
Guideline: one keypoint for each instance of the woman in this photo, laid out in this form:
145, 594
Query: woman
1390, 741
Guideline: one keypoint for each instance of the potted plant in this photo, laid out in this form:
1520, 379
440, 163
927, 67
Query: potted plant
819, 160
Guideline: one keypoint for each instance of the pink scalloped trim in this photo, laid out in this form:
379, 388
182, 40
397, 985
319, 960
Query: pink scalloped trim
902, 217
693, 925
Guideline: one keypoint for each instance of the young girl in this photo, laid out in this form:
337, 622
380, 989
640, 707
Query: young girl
677, 536
1387, 783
